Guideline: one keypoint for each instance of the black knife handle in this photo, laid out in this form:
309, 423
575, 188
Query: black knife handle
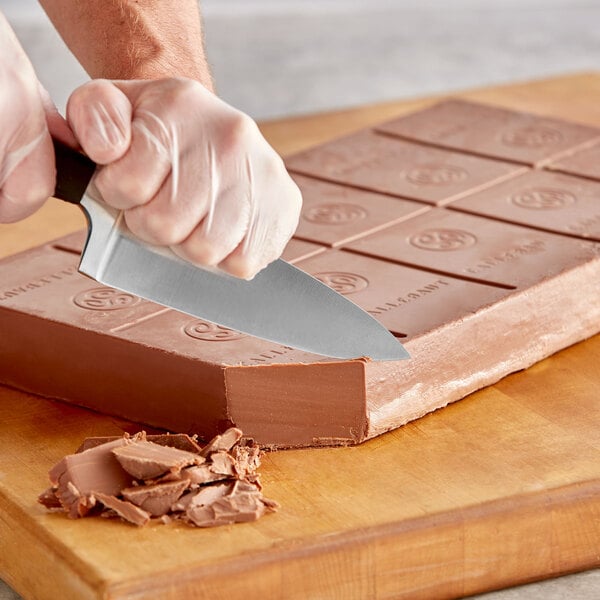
74, 172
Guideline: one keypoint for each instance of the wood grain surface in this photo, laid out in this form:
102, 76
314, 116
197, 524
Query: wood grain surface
500, 488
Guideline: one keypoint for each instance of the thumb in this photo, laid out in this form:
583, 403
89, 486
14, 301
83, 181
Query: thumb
99, 114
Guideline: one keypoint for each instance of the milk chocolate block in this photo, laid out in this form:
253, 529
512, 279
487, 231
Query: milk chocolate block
472, 296
585, 163
490, 131
544, 200
380, 163
470, 247
333, 214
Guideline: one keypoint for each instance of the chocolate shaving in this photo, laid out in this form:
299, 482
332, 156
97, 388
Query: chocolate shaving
166, 477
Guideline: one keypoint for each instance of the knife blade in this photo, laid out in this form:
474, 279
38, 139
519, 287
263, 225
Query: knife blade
282, 303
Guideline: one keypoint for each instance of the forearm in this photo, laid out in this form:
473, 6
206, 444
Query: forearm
125, 39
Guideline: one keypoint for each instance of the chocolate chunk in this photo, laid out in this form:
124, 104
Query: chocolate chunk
237, 503
126, 510
147, 460
491, 131
181, 441
78, 478
155, 499
222, 463
223, 442
201, 474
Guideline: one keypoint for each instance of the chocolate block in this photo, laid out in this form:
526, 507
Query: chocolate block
585, 163
491, 131
544, 200
473, 298
452, 243
333, 214
383, 164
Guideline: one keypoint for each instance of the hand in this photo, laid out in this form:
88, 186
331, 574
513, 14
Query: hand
27, 175
190, 171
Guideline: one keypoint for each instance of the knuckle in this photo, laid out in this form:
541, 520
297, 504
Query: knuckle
238, 129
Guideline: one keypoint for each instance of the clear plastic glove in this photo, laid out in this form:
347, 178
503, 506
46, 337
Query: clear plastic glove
190, 171
27, 175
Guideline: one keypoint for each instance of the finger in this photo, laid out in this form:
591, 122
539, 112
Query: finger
27, 179
100, 116
175, 210
221, 231
272, 223
138, 175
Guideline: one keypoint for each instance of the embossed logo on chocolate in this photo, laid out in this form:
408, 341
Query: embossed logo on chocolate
343, 283
543, 198
210, 332
105, 298
443, 239
436, 175
533, 136
335, 214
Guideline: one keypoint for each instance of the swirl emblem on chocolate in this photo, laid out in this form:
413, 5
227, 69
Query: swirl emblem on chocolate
543, 198
335, 214
210, 332
343, 283
105, 298
436, 175
532, 137
443, 239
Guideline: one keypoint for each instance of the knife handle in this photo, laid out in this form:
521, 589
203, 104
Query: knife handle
74, 172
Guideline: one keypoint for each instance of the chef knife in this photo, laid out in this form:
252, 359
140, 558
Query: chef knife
282, 303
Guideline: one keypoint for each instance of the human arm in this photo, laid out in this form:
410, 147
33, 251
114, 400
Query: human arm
128, 39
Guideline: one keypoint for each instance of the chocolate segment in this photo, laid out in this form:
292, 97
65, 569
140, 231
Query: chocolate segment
491, 131
333, 214
544, 200
470, 247
380, 163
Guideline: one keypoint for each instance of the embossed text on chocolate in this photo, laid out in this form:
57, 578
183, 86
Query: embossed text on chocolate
424, 290
269, 355
533, 247
37, 283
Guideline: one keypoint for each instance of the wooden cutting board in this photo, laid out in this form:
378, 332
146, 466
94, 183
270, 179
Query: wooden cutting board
500, 488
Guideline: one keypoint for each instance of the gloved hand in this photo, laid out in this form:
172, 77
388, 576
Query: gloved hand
27, 175
190, 171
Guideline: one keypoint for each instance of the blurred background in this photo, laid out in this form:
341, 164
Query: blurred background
274, 58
